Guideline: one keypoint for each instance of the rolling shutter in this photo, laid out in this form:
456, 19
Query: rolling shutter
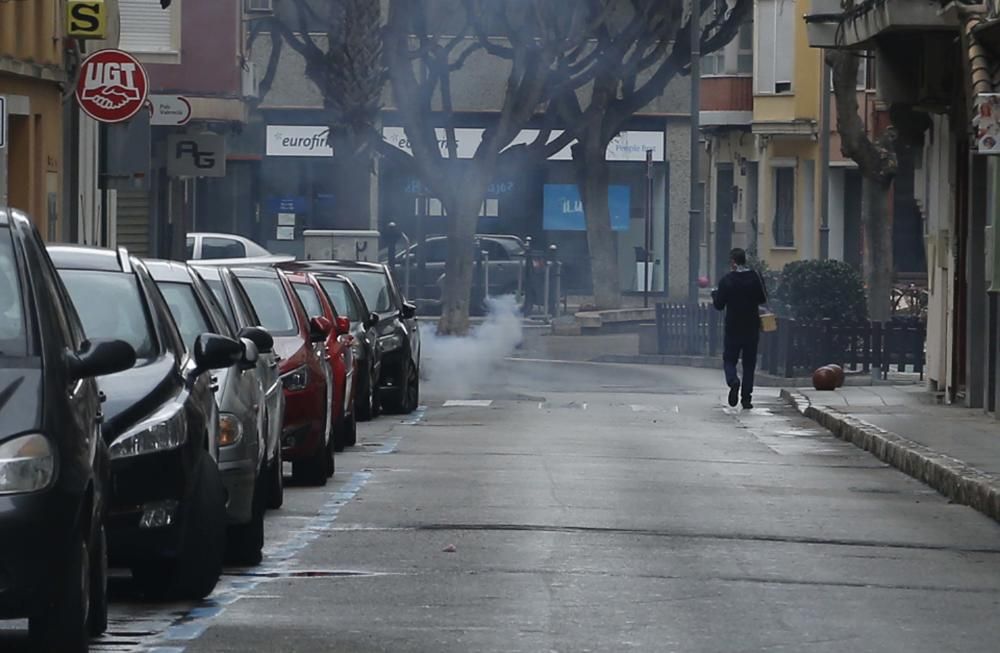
133, 222
146, 27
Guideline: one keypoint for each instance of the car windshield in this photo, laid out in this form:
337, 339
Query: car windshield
271, 304
339, 295
310, 300
374, 288
215, 285
111, 307
187, 311
13, 329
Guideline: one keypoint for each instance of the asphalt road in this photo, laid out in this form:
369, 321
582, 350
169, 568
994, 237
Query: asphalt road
588, 507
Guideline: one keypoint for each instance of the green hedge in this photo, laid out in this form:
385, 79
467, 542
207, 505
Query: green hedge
814, 290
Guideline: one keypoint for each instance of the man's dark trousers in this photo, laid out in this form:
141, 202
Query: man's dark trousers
731, 354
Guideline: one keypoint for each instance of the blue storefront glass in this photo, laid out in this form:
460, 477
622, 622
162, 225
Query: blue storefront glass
563, 208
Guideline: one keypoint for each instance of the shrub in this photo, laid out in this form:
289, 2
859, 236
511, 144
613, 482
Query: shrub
813, 290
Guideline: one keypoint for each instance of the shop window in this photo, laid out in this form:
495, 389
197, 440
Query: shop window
784, 207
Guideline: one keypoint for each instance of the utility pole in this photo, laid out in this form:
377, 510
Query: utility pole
694, 228
824, 155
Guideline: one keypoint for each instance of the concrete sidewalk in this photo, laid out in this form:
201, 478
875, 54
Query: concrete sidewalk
954, 450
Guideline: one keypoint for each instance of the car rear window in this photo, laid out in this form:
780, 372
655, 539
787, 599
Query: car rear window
341, 298
13, 328
374, 288
189, 315
310, 299
111, 306
271, 305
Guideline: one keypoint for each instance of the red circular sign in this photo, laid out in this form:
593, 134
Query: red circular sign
112, 86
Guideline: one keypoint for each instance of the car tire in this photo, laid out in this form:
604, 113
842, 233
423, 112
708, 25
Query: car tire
193, 574
63, 626
245, 542
276, 483
349, 430
313, 470
99, 583
364, 398
403, 401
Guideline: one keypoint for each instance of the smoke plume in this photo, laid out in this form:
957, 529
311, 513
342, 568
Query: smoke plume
460, 365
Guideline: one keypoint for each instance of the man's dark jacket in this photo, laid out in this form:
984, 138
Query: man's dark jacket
740, 294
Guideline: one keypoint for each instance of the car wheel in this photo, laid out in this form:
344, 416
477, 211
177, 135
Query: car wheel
64, 625
245, 542
396, 402
276, 484
349, 432
364, 398
331, 457
99, 583
193, 574
412, 389
313, 470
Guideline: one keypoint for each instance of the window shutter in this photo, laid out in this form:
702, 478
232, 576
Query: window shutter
146, 27
765, 23
784, 60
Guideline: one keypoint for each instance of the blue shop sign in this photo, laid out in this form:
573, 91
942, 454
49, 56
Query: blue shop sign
275, 204
563, 208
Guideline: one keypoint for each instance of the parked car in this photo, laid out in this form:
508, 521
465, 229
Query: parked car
306, 438
212, 246
241, 397
167, 514
397, 327
505, 262
347, 299
243, 319
54, 468
338, 352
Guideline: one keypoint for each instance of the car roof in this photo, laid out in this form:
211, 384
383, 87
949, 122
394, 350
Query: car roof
208, 271
163, 270
320, 266
256, 261
254, 272
81, 257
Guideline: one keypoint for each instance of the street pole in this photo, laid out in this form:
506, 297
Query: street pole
694, 228
649, 229
824, 155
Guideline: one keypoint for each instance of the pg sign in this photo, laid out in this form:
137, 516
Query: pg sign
112, 87
86, 19
196, 155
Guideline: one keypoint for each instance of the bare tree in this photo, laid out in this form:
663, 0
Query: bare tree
639, 48
877, 160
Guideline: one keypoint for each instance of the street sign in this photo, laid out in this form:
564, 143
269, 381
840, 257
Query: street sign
86, 19
196, 155
3, 122
169, 110
112, 87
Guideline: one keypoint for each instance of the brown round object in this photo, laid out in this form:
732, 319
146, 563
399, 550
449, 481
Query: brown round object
825, 379
839, 371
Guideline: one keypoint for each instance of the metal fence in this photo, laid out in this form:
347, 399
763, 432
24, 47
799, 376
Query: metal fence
797, 348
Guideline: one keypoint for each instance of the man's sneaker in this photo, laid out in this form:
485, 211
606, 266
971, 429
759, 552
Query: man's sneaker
734, 394
747, 404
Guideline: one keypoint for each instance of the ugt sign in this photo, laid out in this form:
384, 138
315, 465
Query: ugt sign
112, 86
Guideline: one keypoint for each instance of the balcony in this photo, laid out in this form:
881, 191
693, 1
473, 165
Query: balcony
726, 101
830, 26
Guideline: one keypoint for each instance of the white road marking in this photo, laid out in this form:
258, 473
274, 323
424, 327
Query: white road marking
468, 403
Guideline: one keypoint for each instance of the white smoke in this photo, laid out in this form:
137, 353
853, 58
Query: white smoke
460, 365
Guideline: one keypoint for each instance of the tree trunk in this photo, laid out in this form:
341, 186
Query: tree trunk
457, 292
593, 179
876, 222
354, 201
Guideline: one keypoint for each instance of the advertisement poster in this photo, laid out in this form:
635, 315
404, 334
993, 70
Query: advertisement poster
987, 123
563, 208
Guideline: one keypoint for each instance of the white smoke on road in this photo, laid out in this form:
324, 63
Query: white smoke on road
459, 365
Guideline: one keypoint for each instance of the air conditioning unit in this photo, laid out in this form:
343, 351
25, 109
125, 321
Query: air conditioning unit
260, 6
251, 82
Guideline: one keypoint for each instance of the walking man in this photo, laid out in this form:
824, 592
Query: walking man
740, 294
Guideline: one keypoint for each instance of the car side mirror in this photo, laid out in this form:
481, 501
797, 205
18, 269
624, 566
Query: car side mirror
343, 325
215, 352
260, 337
408, 312
100, 358
250, 355
319, 328
372, 320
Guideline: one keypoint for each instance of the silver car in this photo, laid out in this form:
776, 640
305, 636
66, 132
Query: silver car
241, 397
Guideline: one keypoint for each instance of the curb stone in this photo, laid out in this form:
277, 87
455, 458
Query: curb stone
958, 481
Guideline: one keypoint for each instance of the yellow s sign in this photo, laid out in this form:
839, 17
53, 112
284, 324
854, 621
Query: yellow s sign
86, 19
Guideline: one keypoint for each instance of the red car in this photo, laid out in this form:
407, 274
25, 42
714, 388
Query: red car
306, 436
339, 351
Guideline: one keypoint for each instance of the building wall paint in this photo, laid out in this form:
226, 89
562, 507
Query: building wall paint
211, 36
799, 150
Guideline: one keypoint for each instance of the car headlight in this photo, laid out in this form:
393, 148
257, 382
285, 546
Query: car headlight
153, 435
296, 380
230, 429
391, 342
27, 464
